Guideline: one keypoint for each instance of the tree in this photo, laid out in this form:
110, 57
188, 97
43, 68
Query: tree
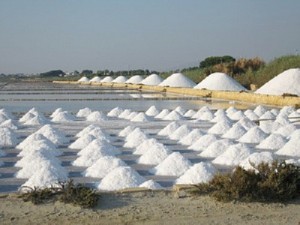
87, 72
214, 60
53, 73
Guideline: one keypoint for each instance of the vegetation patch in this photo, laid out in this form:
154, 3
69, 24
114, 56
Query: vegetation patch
278, 182
66, 192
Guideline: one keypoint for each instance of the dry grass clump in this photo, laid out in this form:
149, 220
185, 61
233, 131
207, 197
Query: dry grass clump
66, 192
278, 182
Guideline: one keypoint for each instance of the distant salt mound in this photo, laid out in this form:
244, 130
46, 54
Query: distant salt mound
29, 140
203, 142
273, 142
237, 116
145, 145
190, 113
87, 130
151, 185
286, 130
286, 110
107, 79
198, 173
260, 110
285, 82
127, 130
220, 128
134, 79
220, 82
7, 137
231, 110
162, 114
115, 112
233, 155
96, 116
253, 136
63, 117
141, 117
255, 159
29, 115
291, 148
267, 116
103, 166
174, 115
54, 135
206, 116
180, 110
36, 120
221, 118
135, 138
96, 79
152, 79
58, 110
131, 115
216, 148
82, 142
180, 132
35, 157
247, 123
83, 79
201, 111
174, 165
251, 115
47, 176
235, 132
178, 80
121, 178
154, 154
152, 111
119, 79
84, 112
192, 137
42, 145
125, 114
169, 129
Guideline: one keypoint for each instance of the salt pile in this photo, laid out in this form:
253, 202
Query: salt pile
121, 178
141, 117
83, 79
174, 115
192, 137
96, 116
162, 114
180, 132
198, 173
115, 112
174, 165
260, 110
255, 135
220, 82
84, 112
125, 114
134, 79
63, 117
119, 79
285, 82
58, 110
178, 80
87, 130
169, 129
247, 123
29, 115
154, 154
221, 118
237, 115
135, 138
82, 141
255, 159
220, 128
294, 116
231, 110
96, 79
7, 137
216, 148
131, 115
273, 142
52, 134
35, 157
36, 120
203, 142
200, 112
190, 113
235, 132
206, 116
251, 115
233, 155
152, 111
267, 116
107, 79
286, 130
291, 148
152, 79
150, 184
180, 110
144, 146
127, 130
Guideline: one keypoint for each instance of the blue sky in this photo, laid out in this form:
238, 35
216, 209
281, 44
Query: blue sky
41, 35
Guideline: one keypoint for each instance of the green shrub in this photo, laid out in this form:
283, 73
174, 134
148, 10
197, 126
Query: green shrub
275, 182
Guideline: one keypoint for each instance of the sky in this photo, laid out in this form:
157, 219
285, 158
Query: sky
41, 35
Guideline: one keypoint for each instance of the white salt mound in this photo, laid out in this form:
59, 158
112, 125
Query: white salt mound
291, 148
152, 79
141, 117
9, 124
127, 130
162, 114
255, 135
43, 145
63, 117
119, 79
121, 178
192, 137
178, 80
151, 184
237, 115
152, 111
180, 132
220, 82
233, 155
231, 110
190, 113
84, 112
174, 115
103, 166
7, 137
180, 110
169, 129
255, 159
36, 120
235, 132
216, 148
203, 142
154, 155
273, 142
135, 138
131, 115
125, 113
52, 134
83, 79
286, 130
58, 110
174, 165
198, 173
247, 123
220, 128
146, 144
115, 112
134, 79
89, 129
285, 82
251, 115
267, 116
82, 141
95, 79
96, 116
32, 158
107, 79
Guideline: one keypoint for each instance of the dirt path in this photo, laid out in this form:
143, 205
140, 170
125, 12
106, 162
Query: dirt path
149, 208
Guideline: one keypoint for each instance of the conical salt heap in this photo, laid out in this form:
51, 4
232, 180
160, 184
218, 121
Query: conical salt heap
63, 117
134, 79
178, 80
152, 111
169, 129
152, 79
291, 148
56, 111
96, 116
174, 115
216, 148
192, 137
151, 185
7, 137
135, 138
82, 141
154, 154
54, 135
127, 130
235, 132
141, 117
255, 159
107, 79
125, 114
83, 79
9, 124
115, 112
203, 142
96, 79
273, 142
253, 136
162, 114
119, 79
84, 112
180, 132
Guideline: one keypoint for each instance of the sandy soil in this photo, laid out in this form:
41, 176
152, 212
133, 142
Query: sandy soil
161, 207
